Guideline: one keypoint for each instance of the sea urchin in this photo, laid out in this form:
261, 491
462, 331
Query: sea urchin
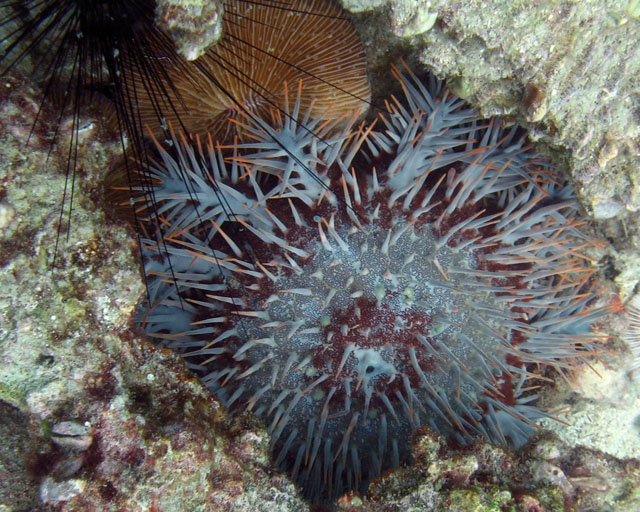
264, 43
349, 303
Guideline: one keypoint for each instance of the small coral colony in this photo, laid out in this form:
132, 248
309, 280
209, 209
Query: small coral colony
346, 281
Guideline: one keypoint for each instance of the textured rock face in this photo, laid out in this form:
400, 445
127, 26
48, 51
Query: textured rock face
194, 25
548, 476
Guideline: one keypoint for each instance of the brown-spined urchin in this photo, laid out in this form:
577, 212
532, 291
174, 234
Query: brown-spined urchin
348, 306
263, 45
